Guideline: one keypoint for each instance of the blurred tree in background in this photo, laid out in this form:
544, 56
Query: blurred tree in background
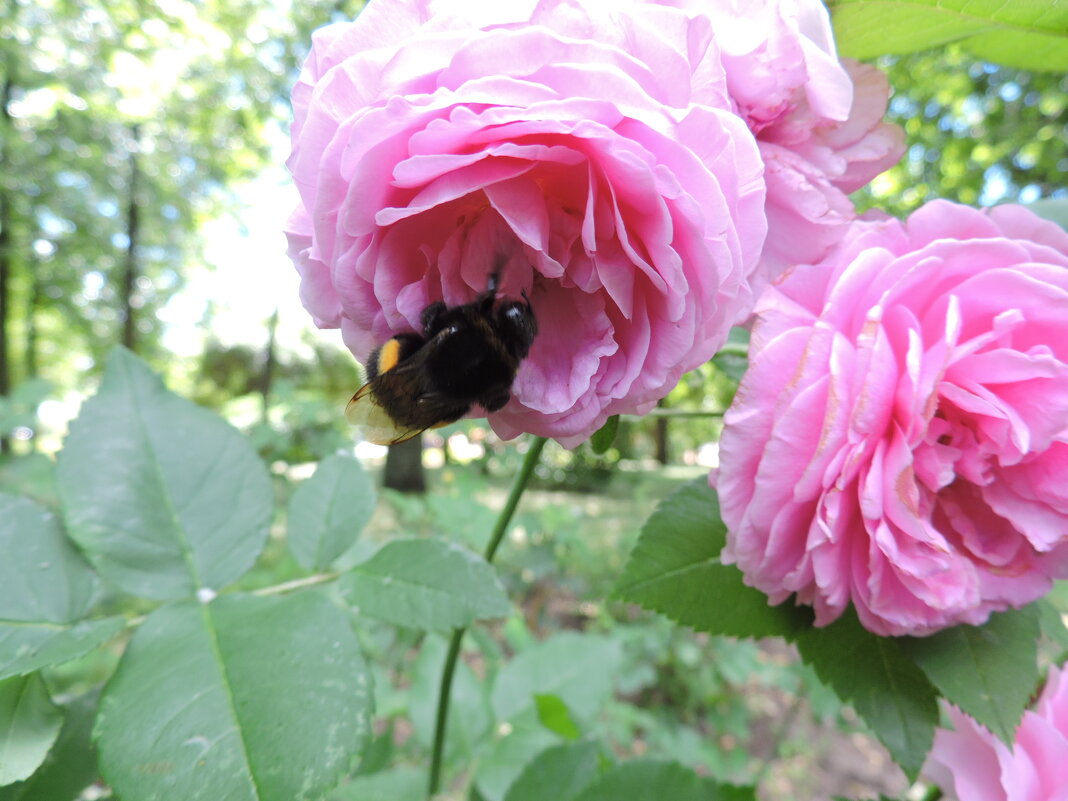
124, 126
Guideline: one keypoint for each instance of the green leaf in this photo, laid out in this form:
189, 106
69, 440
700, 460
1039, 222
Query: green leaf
503, 759
399, 784
1052, 624
329, 510
461, 518
70, 766
559, 773
554, 715
885, 687
732, 358
42, 576
987, 671
379, 752
1028, 35
164, 497
247, 698
29, 724
25, 647
604, 436
649, 780
45, 588
675, 569
425, 584
577, 668
32, 475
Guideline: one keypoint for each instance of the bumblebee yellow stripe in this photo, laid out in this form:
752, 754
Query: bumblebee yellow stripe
388, 356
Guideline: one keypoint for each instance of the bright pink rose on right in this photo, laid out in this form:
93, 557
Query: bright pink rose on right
971, 764
900, 441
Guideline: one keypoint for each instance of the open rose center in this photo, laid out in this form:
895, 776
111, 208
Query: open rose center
575, 215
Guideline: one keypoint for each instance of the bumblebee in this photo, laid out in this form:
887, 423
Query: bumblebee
465, 355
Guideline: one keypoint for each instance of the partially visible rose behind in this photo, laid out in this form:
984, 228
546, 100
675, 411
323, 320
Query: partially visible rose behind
900, 441
818, 122
601, 152
971, 764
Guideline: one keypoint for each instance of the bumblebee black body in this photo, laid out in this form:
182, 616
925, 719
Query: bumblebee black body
464, 355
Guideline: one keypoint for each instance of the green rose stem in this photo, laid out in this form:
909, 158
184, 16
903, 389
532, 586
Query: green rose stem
505, 517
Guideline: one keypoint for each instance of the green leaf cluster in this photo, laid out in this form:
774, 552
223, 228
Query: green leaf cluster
218, 693
162, 508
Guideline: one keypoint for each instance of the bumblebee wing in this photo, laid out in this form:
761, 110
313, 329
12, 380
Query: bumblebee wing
374, 421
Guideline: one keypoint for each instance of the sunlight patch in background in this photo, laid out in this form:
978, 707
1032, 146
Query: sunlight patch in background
246, 276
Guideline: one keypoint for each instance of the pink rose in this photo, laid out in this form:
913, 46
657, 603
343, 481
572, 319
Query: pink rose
819, 122
811, 162
590, 148
900, 440
976, 766
605, 152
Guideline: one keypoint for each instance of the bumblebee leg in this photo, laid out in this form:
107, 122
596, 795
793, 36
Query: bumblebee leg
431, 318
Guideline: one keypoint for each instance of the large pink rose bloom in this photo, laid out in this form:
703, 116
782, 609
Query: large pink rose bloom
900, 440
589, 148
971, 764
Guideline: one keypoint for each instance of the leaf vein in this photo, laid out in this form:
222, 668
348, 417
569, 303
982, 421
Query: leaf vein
216, 650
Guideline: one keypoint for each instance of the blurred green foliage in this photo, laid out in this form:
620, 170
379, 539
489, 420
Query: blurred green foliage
118, 105
977, 133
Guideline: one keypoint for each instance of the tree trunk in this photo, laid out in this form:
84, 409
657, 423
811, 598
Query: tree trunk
30, 359
660, 436
268, 365
33, 304
6, 243
133, 232
404, 467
